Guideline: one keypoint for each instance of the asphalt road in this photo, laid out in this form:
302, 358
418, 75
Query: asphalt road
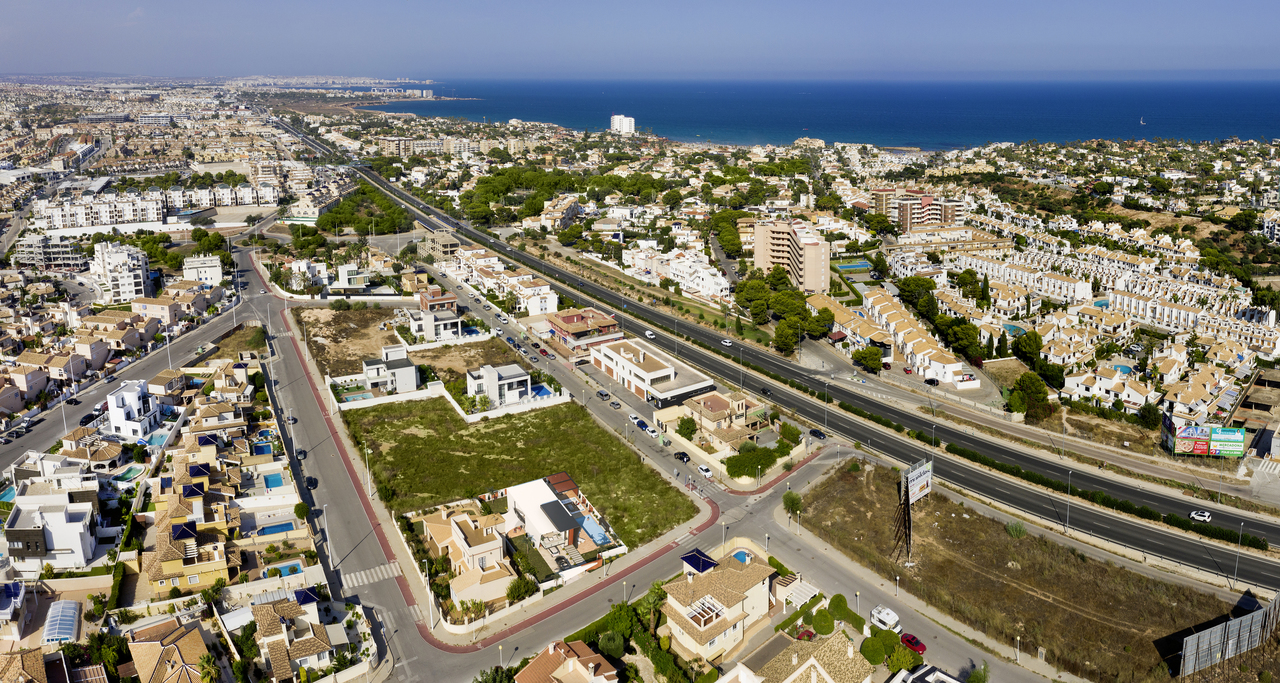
1182, 548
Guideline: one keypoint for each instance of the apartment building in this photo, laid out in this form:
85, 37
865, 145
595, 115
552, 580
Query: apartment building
911, 263
911, 208
579, 329
205, 269
89, 210
45, 252
649, 373
624, 125
804, 254
120, 272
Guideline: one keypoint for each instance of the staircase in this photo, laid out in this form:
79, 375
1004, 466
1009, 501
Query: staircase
575, 557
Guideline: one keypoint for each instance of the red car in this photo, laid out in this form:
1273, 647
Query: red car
907, 370
542, 351
913, 643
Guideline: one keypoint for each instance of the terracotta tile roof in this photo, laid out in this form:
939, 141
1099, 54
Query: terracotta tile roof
22, 667
836, 659
269, 615
168, 653
278, 653
554, 658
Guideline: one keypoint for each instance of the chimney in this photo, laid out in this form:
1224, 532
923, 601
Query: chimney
813, 675
689, 575
795, 659
850, 653
551, 648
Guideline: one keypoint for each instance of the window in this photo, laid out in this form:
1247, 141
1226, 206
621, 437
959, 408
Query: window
193, 579
712, 643
735, 626
162, 583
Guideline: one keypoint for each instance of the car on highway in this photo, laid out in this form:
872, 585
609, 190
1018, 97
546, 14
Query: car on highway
615, 405
84, 421
766, 391
650, 334
312, 483
705, 471
604, 395
913, 643
1201, 515
726, 343
817, 434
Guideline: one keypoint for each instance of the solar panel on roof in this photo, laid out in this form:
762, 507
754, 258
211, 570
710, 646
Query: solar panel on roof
184, 531
698, 561
192, 490
198, 470
166, 482
306, 596
240, 366
207, 440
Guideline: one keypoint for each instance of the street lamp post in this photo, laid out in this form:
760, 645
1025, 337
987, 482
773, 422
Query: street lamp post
624, 592
1018, 650
895, 585
857, 601
499, 656
766, 543
328, 537
1068, 525
1236, 575
368, 473
723, 530
826, 402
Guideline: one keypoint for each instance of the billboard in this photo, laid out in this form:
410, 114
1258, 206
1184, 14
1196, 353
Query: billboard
1213, 441
1224, 641
917, 480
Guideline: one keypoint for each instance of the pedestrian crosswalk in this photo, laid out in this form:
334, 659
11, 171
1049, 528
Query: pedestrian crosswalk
374, 575
396, 618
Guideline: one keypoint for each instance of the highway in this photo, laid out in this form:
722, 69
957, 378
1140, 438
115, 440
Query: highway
1169, 543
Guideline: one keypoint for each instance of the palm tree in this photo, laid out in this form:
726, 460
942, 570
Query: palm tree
652, 604
209, 670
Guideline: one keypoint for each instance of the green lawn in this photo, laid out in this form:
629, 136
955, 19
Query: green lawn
424, 454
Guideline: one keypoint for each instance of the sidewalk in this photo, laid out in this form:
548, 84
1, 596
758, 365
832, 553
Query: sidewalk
415, 592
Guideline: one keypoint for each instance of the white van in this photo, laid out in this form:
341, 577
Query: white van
885, 618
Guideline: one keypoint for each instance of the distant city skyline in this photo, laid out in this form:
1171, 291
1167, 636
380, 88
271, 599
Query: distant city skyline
816, 40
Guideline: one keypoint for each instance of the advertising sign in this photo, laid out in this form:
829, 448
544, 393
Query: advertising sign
1226, 443
1221, 442
918, 480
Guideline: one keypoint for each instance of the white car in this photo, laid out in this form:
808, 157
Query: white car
650, 334
652, 432
1201, 515
726, 342
262, 291
634, 418
706, 471
497, 331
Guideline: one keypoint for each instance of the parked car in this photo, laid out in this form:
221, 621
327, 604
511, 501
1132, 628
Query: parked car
497, 331
487, 307
615, 405
604, 395
682, 456
262, 291
73, 401
907, 370
5, 440
312, 483
817, 434
542, 351
533, 359
913, 643
649, 334
511, 341
651, 432
726, 343
84, 421
634, 418
551, 356
1201, 515
300, 454
535, 345
886, 366
933, 382
110, 379
706, 471
640, 424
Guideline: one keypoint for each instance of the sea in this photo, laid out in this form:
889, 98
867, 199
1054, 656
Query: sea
931, 116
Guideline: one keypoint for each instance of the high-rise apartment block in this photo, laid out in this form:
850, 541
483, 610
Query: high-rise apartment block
622, 124
120, 272
909, 208
804, 254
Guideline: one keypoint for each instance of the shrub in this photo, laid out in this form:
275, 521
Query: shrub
521, 588
795, 616
887, 638
900, 658
839, 609
779, 567
824, 623
1015, 529
709, 677
665, 643
175, 593
1264, 677
807, 617
611, 645
873, 651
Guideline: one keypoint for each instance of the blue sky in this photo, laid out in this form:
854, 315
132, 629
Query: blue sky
711, 39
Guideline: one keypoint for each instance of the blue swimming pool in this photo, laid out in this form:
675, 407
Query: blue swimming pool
1102, 303
541, 391
286, 568
266, 433
1014, 330
262, 448
1123, 369
356, 397
594, 530
855, 267
741, 556
7, 495
157, 439
276, 529
274, 480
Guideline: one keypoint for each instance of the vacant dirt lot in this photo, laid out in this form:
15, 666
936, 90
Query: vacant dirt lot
339, 340
458, 358
1004, 372
1093, 618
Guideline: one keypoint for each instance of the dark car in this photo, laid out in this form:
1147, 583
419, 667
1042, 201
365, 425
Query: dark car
682, 456
534, 345
511, 341
301, 453
642, 426
933, 382
766, 391
562, 562
886, 366
73, 401
87, 419
312, 483
817, 434
913, 643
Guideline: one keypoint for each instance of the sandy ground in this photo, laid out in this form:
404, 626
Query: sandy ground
340, 340
1004, 372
